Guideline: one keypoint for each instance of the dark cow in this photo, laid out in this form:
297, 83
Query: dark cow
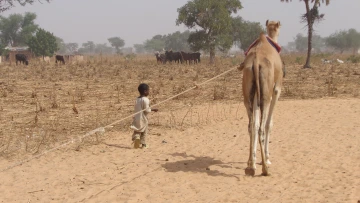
173, 56
186, 57
196, 57
59, 58
22, 58
160, 57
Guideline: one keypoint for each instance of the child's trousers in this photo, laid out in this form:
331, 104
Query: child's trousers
140, 135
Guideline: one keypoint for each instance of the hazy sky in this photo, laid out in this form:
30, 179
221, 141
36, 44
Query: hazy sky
137, 20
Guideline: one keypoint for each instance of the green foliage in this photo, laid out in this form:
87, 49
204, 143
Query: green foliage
103, 49
214, 19
354, 59
199, 41
87, 47
177, 41
344, 40
71, 47
43, 43
7, 4
17, 29
155, 44
225, 42
61, 45
139, 48
301, 43
245, 32
116, 42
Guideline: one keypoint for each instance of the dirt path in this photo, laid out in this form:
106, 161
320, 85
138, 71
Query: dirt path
314, 152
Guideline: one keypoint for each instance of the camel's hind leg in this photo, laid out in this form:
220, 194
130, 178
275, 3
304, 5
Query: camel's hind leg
264, 118
254, 128
269, 122
249, 101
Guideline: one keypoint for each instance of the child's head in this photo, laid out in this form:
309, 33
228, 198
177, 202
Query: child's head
143, 89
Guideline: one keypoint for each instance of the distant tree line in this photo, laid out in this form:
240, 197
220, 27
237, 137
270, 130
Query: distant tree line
21, 30
343, 40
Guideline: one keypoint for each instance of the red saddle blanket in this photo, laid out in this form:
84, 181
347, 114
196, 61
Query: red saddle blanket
274, 44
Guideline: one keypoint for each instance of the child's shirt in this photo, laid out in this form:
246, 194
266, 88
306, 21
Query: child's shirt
140, 122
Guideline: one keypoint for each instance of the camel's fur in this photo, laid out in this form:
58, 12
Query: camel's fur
262, 81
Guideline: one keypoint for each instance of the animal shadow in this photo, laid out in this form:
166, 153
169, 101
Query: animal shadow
197, 165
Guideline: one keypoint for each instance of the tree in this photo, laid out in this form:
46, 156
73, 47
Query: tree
17, 29
139, 48
300, 43
156, 43
116, 42
214, 19
61, 45
245, 32
310, 17
177, 41
72, 47
43, 43
353, 40
103, 49
7, 4
87, 47
344, 40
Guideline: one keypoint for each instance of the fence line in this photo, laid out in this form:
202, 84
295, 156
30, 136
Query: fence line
101, 130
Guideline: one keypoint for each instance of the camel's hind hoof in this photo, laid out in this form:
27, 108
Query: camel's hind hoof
265, 171
250, 171
265, 174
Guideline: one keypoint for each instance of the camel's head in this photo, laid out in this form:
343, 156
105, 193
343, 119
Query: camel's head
273, 29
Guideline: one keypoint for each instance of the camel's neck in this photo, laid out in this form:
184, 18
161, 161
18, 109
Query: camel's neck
274, 38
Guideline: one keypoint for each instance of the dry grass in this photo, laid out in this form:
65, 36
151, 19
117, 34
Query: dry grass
43, 105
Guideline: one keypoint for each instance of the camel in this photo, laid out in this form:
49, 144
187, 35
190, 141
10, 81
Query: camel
262, 81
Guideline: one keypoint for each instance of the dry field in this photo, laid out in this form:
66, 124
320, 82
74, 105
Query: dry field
192, 140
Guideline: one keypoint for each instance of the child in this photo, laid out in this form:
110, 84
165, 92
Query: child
140, 123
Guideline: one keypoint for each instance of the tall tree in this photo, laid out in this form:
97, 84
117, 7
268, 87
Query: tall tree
301, 43
116, 42
88, 47
43, 43
177, 41
354, 40
156, 43
139, 48
344, 40
311, 16
72, 47
17, 29
7, 4
103, 49
245, 32
61, 45
214, 19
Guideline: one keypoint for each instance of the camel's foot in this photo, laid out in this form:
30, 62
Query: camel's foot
267, 162
250, 171
265, 171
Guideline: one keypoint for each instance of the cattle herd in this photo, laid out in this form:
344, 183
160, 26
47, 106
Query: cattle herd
167, 56
178, 57
22, 58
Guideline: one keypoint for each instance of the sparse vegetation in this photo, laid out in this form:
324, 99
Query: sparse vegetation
67, 102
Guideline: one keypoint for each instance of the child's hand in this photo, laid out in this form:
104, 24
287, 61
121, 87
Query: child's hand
155, 110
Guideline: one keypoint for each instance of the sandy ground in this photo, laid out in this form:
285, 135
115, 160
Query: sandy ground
314, 152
